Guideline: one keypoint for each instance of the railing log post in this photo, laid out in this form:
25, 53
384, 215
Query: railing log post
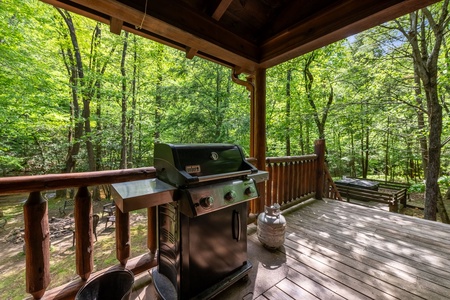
151, 227
319, 149
37, 245
84, 247
123, 248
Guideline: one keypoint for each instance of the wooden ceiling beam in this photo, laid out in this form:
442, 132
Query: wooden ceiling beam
116, 25
178, 25
191, 52
156, 29
221, 9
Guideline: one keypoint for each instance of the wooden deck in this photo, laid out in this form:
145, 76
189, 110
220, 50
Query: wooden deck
338, 250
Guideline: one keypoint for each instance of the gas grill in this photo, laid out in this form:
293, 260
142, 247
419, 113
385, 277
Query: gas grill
203, 232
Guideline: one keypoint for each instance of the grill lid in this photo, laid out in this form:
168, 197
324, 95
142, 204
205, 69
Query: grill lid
186, 164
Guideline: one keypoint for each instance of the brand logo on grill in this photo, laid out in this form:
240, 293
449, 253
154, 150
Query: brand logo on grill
214, 156
193, 169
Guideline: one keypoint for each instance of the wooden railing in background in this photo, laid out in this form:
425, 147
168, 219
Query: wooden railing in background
330, 190
292, 179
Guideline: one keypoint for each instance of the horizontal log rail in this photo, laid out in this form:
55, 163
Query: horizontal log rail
28, 184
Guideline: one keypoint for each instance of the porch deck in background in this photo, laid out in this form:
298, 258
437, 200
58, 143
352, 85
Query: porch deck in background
339, 250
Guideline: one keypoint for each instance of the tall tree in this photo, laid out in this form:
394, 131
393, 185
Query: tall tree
425, 54
320, 117
124, 106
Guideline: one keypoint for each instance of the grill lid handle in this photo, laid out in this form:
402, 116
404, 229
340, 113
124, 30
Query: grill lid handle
222, 176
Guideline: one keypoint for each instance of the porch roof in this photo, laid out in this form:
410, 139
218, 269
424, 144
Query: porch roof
243, 34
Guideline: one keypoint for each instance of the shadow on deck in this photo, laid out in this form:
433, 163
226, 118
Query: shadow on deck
338, 250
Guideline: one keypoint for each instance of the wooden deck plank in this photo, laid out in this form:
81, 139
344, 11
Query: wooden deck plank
423, 252
294, 290
351, 244
434, 281
423, 279
277, 293
372, 276
346, 291
371, 287
376, 242
351, 218
314, 288
373, 215
337, 250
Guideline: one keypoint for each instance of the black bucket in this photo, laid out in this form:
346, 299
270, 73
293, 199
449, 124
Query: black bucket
112, 285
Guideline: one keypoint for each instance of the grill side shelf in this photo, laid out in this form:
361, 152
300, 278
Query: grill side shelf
134, 195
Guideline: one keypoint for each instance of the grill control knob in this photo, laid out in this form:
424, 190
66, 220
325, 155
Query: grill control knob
231, 195
249, 191
206, 202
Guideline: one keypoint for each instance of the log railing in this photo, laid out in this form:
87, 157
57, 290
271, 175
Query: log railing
291, 180
37, 232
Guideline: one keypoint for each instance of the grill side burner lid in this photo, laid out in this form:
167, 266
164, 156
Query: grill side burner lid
186, 164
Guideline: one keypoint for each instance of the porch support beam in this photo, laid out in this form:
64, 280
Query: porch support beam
115, 25
319, 149
258, 129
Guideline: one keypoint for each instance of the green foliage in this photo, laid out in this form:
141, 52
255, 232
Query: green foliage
417, 188
444, 182
372, 118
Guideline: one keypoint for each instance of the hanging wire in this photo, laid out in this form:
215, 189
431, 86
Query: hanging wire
143, 18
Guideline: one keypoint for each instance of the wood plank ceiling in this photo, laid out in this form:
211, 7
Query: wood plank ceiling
243, 34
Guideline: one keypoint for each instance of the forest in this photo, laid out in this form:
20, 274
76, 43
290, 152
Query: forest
75, 97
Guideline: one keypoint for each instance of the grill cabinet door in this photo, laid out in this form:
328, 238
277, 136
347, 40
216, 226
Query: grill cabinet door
214, 245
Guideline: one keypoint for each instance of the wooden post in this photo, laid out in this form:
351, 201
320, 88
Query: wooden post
84, 233
123, 248
37, 245
151, 227
258, 123
319, 150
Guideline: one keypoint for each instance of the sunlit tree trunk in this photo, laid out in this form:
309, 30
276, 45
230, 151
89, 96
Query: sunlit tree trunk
426, 64
124, 147
288, 112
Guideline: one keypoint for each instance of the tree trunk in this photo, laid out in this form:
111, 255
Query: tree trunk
288, 112
441, 209
421, 120
123, 153
386, 155
133, 107
75, 71
366, 154
309, 80
158, 97
434, 154
300, 138
426, 65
